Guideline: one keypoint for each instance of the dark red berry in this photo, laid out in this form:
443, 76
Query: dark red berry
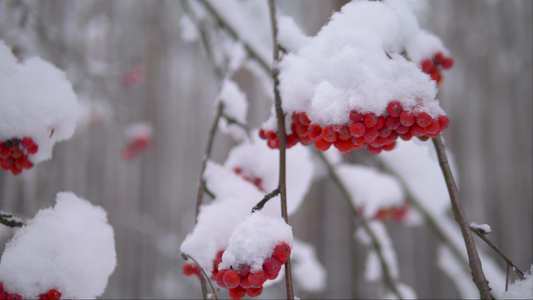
356, 116
407, 118
322, 144
443, 122
303, 119
254, 292
314, 131
231, 279
343, 145
282, 251
394, 109
392, 122
447, 63
257, 279
237, 293
357, 129
423, 119
344, 133
370, 120
329, 134
272, 265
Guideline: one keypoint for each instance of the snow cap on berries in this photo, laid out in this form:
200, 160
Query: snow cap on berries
69, 247
254, 240
37, 101
354, 62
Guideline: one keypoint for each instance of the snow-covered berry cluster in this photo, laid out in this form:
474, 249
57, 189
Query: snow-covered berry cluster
241, 280
14, 154
52, 294
255, 180
433, 66
138, 139
369, 130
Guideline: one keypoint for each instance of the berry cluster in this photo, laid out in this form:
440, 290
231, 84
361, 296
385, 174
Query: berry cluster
132, 77
369, 130
191, 268
431, 66
241, 280
52, 294
250, 178
14, 154
398, 213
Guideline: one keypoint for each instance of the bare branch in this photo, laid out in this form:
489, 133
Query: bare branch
473, 257
483, 236
204, 277
360, 219
267, 197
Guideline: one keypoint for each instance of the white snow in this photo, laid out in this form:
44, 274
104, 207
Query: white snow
455, 270
189, 32
69, 247
373, 268
369, 189
521, 289
235, 107
345, 66
307, 271
37, 101
290, 36
254, 240
485, 228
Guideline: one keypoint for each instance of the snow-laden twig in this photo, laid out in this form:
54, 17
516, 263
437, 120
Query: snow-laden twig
10, 221
473, 257
483, 236
225, 25
360, 219
282, 139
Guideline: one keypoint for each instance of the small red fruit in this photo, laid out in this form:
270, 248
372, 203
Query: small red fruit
257, 279
282, 251
370, 120
304, 120
357, 129
392, 122
394, 109
237, 293
254, 292
343, 145
329, 134
344, 133
407, 118
322, 144
314, 131
447, 63
443, 122
423, 119
272, 265
231, 279
355, 116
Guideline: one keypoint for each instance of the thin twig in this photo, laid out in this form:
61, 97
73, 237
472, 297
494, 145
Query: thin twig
212, 132
479, 233
282, 138
205, 277
10, 221
267, 197
473, 257
360, 219
223, 24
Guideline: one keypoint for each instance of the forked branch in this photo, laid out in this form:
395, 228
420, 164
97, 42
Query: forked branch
473, 257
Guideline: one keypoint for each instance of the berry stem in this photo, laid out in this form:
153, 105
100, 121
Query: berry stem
204, 277
360, 219
473, 257
267, 197
282, 138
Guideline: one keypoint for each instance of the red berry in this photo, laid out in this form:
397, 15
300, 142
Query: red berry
392, 122
5, 152
190, 269
380, 122
402, 129
407, 118
427, 65
53, 294
443, 122
306, 140
244, 270
370, 120
237, 293
271, 276
262, 134
282, 251
358, 141
33, 149
355, 116
254, 292
417, 131
423, 119
344, 133
437, 59
244, 282
371, 134
406, 136
436, 76
314, 131
423, 138
343, 145
447, 63
273, 144
322, 144
292, 139
394, 109
271, 135
357, 129
272, 265
302, 130
329, 134
231, 279
304, 120
373, 150
384, 132
257, 279
434, 127
389, 147
219, 278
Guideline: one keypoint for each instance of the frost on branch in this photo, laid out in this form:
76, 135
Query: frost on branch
38, 104
69, 247
350, 85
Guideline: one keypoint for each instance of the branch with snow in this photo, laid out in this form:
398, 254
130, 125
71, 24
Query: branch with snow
10, 220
